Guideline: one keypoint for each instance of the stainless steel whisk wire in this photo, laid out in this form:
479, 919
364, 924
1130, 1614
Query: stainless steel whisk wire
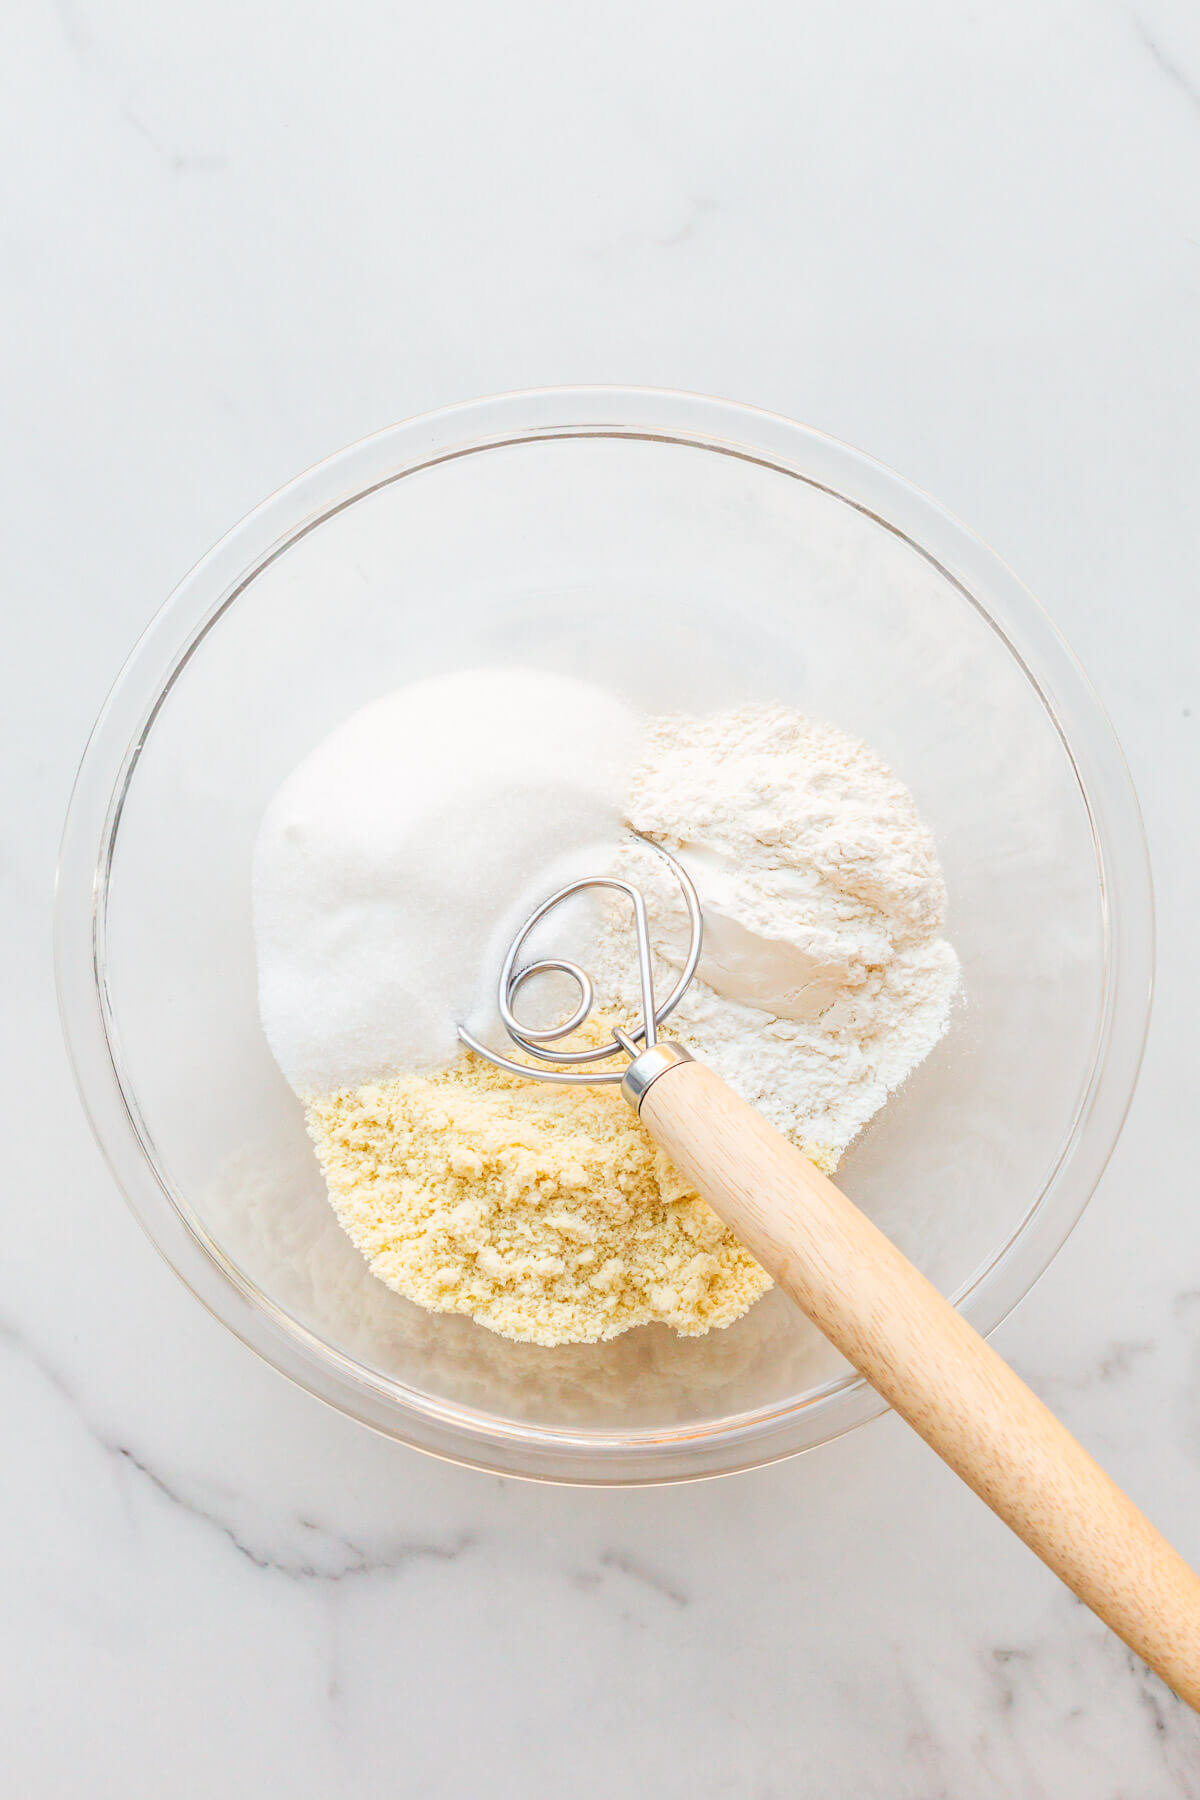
536, 1043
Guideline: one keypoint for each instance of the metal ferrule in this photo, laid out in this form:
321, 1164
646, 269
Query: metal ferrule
645, 1069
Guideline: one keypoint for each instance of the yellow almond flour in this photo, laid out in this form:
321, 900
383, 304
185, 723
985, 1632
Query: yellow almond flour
546, 1213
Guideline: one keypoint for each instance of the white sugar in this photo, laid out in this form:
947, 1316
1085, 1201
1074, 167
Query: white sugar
397, 859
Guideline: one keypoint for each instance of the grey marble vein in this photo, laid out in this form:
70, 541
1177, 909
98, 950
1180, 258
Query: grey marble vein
1166, 63
1005, 1676
1172, 1725
1118, 1359
89, 54
349, 1560
701, 207
637, 1570
19, 1345
178, 162
76, 36
358, 1561
923, 1748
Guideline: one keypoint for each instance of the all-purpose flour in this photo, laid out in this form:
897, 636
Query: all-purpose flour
825, 978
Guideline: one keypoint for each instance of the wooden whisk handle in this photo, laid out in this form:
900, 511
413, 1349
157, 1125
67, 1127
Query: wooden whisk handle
931, 1366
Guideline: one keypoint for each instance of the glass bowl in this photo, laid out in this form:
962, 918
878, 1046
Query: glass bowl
694, 554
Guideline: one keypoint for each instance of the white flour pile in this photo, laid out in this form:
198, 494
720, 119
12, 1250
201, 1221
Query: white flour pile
825, 978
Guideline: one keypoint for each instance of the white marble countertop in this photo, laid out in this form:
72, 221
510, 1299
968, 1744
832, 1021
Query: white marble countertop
966, 238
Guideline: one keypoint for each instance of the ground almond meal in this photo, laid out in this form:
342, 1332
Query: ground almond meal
545, 1213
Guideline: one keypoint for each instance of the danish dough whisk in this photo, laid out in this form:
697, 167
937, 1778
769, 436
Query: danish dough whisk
895, 1328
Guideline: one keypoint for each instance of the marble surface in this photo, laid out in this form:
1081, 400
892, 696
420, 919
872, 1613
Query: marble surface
237, 236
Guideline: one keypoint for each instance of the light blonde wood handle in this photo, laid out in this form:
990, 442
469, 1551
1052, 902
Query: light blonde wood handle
933, 1368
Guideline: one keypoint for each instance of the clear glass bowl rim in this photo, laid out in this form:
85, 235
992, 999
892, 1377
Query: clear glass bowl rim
474, 427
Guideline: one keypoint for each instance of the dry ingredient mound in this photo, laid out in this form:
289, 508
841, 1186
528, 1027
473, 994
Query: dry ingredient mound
825, 978
391, 868
545, 1213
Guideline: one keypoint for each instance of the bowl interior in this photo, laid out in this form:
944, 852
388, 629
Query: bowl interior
685, 575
